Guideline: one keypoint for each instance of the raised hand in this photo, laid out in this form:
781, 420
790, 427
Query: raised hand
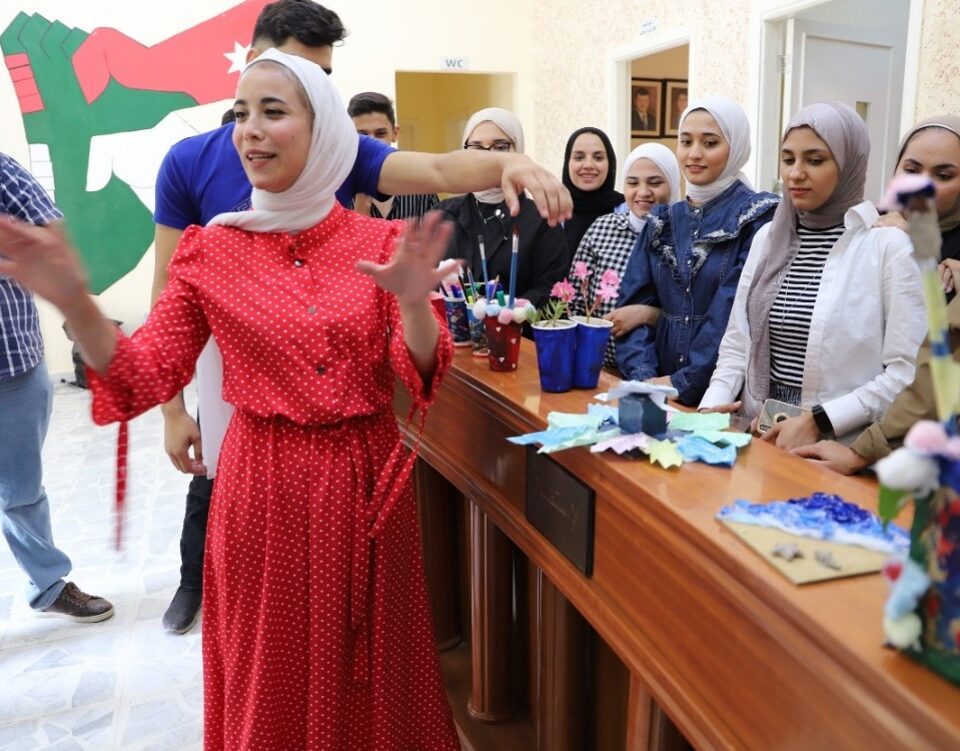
413, 270
548, 193
41, 259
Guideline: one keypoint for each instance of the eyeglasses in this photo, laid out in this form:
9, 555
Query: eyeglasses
500, 145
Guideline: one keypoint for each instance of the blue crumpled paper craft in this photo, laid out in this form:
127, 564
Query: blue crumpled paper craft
568, 430
698, 421
693, 448
703, 438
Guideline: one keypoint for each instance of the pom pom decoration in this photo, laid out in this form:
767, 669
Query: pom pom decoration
908, 582
926, 436
904, 632
903, 189
907, 470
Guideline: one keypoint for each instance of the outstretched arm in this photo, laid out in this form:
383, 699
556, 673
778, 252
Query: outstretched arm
42, 260
465, 170
410, 275
128, 376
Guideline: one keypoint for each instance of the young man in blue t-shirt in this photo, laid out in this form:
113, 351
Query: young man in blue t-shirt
374, 116
202, 176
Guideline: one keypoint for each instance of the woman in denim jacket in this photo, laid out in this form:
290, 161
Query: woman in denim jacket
688, 259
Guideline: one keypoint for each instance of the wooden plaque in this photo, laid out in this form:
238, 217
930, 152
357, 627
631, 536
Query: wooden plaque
561, 508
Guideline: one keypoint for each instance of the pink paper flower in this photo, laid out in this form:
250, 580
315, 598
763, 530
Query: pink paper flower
563, 291
609, 287
581, 270
608, 292
610, 278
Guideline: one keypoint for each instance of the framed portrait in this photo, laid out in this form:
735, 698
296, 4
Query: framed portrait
646, 96
675, 102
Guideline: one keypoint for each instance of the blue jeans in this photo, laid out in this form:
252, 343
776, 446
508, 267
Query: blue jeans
25, 404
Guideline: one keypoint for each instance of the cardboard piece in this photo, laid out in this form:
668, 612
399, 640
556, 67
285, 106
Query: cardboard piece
854, 560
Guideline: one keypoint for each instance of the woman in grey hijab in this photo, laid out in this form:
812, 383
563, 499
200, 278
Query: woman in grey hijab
813, 323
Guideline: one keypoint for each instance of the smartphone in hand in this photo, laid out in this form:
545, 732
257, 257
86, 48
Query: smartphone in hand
775, 411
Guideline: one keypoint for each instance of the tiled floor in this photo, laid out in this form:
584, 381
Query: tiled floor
124, 683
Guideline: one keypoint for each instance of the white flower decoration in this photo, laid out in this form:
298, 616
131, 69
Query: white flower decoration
907, 470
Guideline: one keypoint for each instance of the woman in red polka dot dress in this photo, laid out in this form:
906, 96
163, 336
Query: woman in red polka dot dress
316, 628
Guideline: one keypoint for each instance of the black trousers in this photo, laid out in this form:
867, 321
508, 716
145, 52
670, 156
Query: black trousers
194, 535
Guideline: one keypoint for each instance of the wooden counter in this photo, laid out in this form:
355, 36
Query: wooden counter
735, 654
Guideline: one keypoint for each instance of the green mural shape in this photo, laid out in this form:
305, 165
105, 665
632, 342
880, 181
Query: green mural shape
111, 227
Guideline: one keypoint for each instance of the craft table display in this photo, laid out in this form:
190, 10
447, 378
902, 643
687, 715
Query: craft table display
735, 654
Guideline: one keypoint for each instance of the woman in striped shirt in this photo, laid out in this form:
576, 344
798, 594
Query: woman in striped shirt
829, 310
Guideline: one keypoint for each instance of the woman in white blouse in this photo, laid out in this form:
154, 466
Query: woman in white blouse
829, 310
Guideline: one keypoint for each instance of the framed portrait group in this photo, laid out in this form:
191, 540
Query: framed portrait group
655, 107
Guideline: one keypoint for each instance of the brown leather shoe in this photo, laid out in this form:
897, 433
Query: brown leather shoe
78, 606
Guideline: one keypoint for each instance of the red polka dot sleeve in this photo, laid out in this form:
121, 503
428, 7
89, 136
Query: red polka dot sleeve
154, 364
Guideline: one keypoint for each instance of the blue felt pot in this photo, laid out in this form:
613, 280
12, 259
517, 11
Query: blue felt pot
592, 340
556, 346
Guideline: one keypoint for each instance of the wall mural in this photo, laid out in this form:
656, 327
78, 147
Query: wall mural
100, 110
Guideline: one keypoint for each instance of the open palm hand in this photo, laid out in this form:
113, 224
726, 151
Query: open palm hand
413, 270
41, 259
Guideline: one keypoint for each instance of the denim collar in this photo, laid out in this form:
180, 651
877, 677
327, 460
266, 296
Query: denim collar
725, 216
721, 220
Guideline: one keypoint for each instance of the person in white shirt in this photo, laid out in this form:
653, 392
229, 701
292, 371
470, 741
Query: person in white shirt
829, 310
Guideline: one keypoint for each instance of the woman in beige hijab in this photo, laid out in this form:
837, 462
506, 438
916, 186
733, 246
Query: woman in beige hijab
542, 258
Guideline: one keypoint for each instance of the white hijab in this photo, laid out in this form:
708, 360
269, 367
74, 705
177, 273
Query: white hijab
510, 125
301, 206
306, 202
736, 129
666, 162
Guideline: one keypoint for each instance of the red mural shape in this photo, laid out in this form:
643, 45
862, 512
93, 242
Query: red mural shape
24, 84
193, 62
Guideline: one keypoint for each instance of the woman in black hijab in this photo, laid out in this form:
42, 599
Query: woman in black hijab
589, 173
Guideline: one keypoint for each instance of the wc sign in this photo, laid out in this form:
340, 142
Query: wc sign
455, 63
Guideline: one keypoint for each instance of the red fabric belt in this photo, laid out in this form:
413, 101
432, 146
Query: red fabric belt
121, 495
371, 519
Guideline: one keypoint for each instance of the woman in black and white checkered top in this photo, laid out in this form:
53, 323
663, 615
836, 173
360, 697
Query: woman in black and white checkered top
651, 176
